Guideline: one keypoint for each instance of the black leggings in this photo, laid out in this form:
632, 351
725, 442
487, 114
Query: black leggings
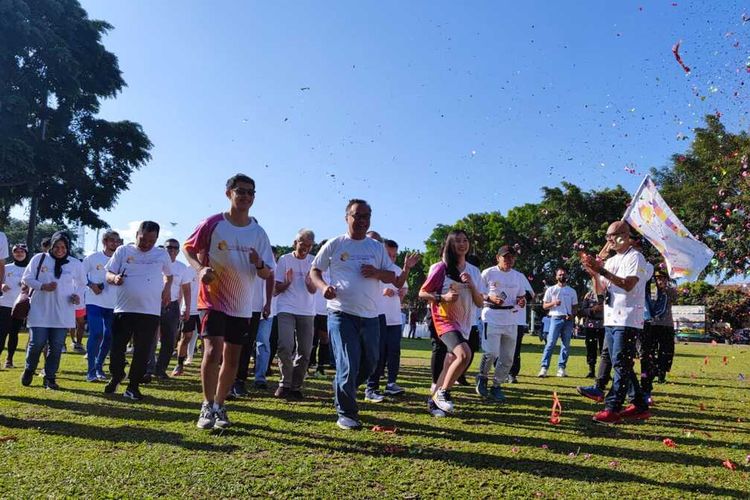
9, 328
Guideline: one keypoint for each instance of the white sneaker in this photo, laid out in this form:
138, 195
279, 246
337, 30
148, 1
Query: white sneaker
206, 420
188, 361
348, 424
220, 414
374, 397
542, 372
394, 389
561, 372
442, 400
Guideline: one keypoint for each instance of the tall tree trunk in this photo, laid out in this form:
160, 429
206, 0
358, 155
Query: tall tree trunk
33, 209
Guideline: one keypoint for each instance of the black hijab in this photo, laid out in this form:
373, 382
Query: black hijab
59, 263
25, 261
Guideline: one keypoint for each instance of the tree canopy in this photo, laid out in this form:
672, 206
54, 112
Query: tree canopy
54, 151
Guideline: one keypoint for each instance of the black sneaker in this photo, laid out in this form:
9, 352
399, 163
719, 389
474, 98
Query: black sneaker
261, 385
146, 379
296, 395
111, 386
49, 383
462, 380
133, 393
27, 377
238, 389
162, 376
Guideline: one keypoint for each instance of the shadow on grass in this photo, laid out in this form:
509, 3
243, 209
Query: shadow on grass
478, 460
120, 434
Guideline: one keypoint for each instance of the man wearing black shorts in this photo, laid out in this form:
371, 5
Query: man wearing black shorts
229, 251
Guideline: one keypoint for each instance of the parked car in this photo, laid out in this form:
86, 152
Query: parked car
741, 336
696, 336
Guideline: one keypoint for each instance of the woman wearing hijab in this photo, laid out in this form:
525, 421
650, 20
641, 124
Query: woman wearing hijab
9, 326
58, 282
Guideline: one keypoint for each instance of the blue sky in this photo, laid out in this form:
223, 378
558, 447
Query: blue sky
429, 110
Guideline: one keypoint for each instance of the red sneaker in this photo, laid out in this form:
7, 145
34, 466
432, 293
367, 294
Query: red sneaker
607, 417
632, 412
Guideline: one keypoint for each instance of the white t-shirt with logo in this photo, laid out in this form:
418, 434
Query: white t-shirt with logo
344, 257
567, 297
626, 308
54, 309
508, 285
94, 267
191, 277
13, 275
179, 271
143, 282
296, 299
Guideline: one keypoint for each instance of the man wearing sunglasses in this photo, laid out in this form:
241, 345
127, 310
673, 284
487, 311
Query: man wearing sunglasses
622, 279
229, 251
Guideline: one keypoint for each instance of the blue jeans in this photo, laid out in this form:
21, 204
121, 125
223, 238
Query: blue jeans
390, 355
263, 348
558, 327
100, 337
620, 341
38, 338
355, 344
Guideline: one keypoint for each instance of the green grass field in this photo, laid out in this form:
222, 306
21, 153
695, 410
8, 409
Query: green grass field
79, 442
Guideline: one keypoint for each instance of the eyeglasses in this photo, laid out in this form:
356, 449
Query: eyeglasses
356, 216
244, 192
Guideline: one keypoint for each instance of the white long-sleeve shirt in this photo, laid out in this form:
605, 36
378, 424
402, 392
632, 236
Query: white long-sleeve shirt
54, 309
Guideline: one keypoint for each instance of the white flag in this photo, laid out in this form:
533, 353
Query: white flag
649, 214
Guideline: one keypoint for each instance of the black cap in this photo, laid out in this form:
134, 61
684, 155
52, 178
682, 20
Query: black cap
506, 249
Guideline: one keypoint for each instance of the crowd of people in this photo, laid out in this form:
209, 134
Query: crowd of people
340, 308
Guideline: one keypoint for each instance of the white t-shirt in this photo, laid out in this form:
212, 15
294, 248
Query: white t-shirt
321, 306
226, 249
54, 309
383, 301
259, 294
93, 266
508, 285
295, 299
344, 257
179, 275
13, 275
141, 289
393, 315
626, 308
567, 296
4, 253
191, 277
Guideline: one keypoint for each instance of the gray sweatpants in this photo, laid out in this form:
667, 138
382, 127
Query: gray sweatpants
294, 328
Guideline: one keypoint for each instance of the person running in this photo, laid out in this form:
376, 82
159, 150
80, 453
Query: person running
57, 280
622, 279
100, 306
229, 251
265, 327
11, 289
562, 303
505, 292
169, 321
189, 322
138, 273
390, 336
453, 289
357, 264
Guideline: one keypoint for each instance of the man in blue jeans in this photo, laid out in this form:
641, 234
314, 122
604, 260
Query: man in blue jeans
622, 279
100, 306
356, 265
562, 303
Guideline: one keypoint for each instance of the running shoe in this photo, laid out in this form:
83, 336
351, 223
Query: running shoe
373, 396
348, 423
497, 394
481, 387
394, 389
606, 417
591, 392
434, 410
632, 412
132, 394
222, 420
442, 399
206, 419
